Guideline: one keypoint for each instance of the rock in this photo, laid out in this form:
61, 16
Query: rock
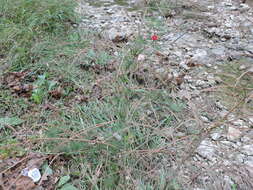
240, 158
219, 105
250, 70
204, 118
115, 35
202, 84
249, 164
242, 67
238, 122
249, 161
233, 133
245, 139
141, 58
200, 56
117, 136
206, 149
215, 136
247, 149
251, 120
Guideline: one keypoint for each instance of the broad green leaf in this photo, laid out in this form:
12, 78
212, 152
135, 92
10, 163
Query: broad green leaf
10, 121
46, 169
68, 186
63, 180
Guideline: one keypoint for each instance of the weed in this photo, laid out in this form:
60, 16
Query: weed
42, 88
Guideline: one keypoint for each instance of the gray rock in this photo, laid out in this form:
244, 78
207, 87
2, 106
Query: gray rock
240, 158
249, 161
207, 150
247, 149
251, 120
246, 139
233, 133
215, 136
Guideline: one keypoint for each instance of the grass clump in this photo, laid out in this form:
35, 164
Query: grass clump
25, 23
117, 138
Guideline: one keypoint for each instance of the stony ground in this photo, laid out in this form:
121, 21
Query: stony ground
195, 38
142, 94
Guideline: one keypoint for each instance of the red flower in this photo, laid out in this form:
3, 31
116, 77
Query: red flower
154, 37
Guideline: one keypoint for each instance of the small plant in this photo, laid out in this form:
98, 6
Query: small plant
43, 86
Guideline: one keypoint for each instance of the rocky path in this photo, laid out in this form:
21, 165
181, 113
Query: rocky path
196, 37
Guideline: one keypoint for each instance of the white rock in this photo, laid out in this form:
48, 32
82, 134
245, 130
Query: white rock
117, 136
245, 139
251, 120
238, 122
233, 133
242, 67
249, 161
204, 118
141, 57
240, 158
215, 136
248, 149
206, 149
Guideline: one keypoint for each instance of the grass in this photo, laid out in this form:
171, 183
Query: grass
112, 123
104, 123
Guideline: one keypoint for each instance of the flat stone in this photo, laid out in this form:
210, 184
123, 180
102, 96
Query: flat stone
233, 133
206, 149
251, 120
240, 158
247, 149
215, 136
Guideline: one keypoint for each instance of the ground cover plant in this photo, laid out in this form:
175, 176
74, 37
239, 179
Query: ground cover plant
53, 103
84, 110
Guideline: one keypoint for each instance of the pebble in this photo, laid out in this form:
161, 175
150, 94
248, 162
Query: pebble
215, 136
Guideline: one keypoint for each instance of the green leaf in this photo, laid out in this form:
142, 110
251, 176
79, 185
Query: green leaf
63, 180
68, 186
47, 169
10, 121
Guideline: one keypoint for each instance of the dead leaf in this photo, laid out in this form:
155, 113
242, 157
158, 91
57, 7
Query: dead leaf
24, 183
15, 82
180, 79
57, 93
192, 63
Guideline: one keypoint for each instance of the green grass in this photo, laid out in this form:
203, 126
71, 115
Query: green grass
25, 24
116, 138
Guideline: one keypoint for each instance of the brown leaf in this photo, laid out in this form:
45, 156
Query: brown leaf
180, 79
24, 183
57, 94
192, 63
